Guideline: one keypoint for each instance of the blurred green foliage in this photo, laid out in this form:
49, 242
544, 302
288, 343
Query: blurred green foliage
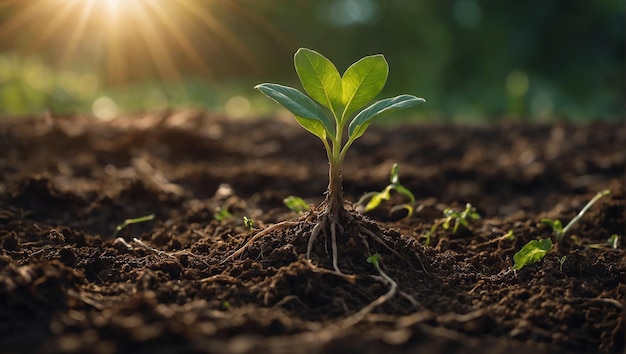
471, 59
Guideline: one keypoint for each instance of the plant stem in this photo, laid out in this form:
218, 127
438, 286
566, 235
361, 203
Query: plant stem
334, 197
582, 212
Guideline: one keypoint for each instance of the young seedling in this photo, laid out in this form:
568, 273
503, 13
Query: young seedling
557, 227
561, 260
458, 217
296, 204
344, 98
611, 243
222, 214
248, 223
535, 250
375, 198
127, 222
531, 253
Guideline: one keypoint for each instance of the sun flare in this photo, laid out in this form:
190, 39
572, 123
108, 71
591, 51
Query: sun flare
129, 39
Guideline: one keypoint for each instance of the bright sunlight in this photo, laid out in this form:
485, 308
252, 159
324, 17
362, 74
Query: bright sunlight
135, 38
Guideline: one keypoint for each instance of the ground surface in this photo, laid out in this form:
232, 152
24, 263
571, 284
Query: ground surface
67, 285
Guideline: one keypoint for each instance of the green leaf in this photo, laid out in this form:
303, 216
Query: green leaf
360, 123
362, 82
373, 203
403, 190
296, 204
374, 259
320, 78
307, 112
531, 253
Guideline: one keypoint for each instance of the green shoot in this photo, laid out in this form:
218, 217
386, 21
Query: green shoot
611, 243
222, 214
375, 198
296, 204
374, 259
561, 260
343, 97
248, 223
458, 217
557, 227
531, 253
508, 236
127, 222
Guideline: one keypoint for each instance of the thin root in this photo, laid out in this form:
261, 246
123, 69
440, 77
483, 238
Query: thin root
269, 230
359, 316
333, 245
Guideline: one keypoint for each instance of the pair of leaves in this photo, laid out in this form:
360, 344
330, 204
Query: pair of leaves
343, 96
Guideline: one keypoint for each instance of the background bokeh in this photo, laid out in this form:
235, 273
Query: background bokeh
472, 60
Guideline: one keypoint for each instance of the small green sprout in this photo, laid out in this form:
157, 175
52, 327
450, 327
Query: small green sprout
296, 204
508, 236
459, 218
222, 214
343, 96
557, 227
248, 223
561, 260
531, 253
375, 198
374, 259
535, 250
226, 305
611, 243
127, 222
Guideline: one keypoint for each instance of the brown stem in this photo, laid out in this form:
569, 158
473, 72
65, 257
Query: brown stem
334, 193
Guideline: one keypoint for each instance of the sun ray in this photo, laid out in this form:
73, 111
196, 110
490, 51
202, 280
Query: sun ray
18, 22
180, 38
77, 33
52, 28
222, 33
115, 67
160, 55
132, 39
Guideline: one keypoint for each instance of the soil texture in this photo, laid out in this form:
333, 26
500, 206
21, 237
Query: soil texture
69, 283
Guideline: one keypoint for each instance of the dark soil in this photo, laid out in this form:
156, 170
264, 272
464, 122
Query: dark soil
67, 284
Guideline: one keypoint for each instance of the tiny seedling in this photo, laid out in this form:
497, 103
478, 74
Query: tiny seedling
248, 223
531, 253
127, 222
296, 204
222, 214
535, 250
458, 217
375, 198
557, 227
374, 259
561, 260
612, 243
344, 98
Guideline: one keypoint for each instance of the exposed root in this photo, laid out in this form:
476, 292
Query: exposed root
333, 245
269, 230
312, 238
359, 316
330, 225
